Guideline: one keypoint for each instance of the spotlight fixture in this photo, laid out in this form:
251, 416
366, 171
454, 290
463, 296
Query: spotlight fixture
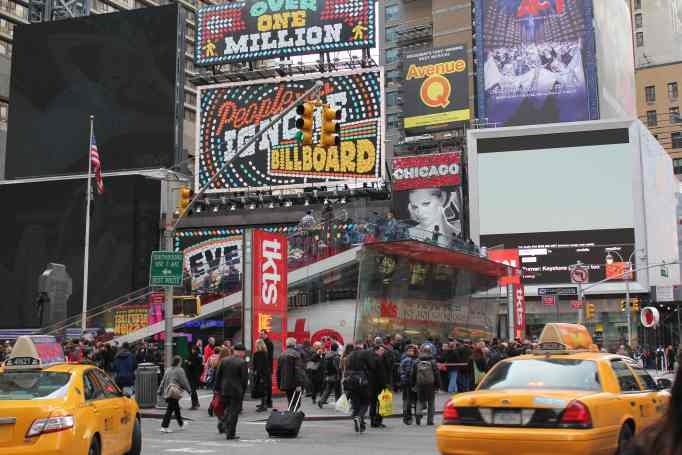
215, 209
306, 203
287, 204
326, 201
343, 200
271, 205
233, 207
252, 206
198, 208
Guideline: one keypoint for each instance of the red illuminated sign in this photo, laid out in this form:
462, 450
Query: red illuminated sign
510, 258
536, 7
426, 171
519, 311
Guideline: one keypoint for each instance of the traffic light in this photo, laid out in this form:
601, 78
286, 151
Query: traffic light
623, 305
589, 311
186, 195
330, 127
305, 123
634, 304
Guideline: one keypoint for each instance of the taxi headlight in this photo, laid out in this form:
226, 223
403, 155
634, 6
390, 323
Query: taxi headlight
50, 425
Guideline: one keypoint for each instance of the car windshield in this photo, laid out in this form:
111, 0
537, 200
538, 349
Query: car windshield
33, 385
543, 374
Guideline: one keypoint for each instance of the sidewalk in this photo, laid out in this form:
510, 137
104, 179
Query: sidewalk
312, 412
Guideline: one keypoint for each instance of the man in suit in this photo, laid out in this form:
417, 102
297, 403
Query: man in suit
231, 380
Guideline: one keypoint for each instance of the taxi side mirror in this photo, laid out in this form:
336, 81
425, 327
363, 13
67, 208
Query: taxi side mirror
664, 383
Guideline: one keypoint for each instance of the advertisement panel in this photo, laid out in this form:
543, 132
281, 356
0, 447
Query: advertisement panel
130, 318
519, 311
256, 30
231, 114
537, 60
427, 192
215, 264
436, 89
508, 257
269, 285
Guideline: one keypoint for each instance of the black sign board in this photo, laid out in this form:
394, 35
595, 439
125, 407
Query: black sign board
557, 291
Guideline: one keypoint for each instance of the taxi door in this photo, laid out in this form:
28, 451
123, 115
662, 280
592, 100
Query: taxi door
638, 401
657, 402
105, 412
124, 420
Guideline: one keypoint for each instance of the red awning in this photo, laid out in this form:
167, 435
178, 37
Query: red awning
432, 254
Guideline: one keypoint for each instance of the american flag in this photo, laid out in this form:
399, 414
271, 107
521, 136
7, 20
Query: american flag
96, 164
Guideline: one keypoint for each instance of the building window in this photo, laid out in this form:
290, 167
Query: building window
190, 115
676, 139
391, 98
638, 4
651, 118
677, 166
6, 27
190, 98
392, 12
393, 121
4, 111
5, 49
393, 76
638, 20
392, 55
391, 33
673, 93
138, 4
674, 114
639, 37
650, 93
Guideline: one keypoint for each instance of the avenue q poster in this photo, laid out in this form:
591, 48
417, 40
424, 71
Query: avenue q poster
538, 59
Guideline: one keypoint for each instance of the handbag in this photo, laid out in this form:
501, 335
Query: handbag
174, 391
217, 405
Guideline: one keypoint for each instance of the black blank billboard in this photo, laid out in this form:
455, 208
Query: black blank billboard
120, 67
48, 225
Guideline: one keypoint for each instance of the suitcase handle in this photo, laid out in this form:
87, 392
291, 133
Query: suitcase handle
295, 401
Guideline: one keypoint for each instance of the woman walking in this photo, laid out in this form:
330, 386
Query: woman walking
172, 387
262, 381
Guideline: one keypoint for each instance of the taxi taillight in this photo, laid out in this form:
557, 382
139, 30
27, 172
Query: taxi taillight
50, 425
450, 413
576, 415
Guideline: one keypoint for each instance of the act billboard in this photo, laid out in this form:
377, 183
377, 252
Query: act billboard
256, 30
537, 61
427, 193
231, 114
436, 89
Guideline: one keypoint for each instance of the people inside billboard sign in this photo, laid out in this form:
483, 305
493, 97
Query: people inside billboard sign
434, 209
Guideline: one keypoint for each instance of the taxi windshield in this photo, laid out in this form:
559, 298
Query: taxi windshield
545, 374
33, 385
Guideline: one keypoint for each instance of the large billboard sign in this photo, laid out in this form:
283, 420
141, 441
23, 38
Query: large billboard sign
538, 61
270, 284
256, 30
427, 192
231, 114
215, 264
437, 89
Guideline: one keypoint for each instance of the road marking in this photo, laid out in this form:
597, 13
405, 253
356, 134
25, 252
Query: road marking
190, 450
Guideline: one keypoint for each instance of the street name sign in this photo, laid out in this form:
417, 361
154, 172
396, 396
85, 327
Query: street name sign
165, 268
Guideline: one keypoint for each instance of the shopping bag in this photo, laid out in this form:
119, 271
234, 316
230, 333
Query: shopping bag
216, 406
386, 403
342, 404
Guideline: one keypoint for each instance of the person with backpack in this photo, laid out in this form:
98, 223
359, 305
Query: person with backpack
359, 365
425, 381
406, 365
331, 369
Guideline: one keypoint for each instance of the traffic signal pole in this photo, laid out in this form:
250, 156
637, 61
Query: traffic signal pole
171, 226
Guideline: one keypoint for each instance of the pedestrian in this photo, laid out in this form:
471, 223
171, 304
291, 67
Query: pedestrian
425, 380
172, 385
314, 371
464, 370
262, 380
479, 365
331, 370
409, 397
378, 381
291, 375
670, 358
359, 363
193, 367
663, 437
124, 367
232, 378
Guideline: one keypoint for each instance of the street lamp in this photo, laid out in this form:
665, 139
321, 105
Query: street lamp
626, 277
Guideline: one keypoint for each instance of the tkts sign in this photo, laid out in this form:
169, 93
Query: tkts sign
269, 285
438, 170
231, 114
255, 30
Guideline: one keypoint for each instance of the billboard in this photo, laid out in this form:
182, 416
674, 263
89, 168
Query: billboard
215, 264
427, 192
130, 319
270, 285
436, 89
119, 67
256, 30
231, 114
537, 61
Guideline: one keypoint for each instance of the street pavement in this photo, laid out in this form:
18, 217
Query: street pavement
325, 432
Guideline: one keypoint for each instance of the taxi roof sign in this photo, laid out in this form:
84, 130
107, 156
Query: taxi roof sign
32, 352
562, 336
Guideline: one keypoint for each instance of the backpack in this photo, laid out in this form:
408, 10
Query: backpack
425, 376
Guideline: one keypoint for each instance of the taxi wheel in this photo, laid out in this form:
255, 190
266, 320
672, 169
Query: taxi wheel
94, 447
136, 447
624, 438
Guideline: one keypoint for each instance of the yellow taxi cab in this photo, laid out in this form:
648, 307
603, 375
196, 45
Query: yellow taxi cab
48, 407
565, 398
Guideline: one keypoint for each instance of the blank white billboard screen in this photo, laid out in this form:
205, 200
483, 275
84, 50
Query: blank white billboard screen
556, 189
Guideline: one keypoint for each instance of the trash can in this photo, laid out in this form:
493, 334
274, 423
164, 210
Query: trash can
146, 383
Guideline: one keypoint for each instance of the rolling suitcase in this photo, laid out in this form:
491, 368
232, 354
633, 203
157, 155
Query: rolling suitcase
286, 424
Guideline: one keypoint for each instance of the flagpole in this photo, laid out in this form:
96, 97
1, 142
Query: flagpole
86, 255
